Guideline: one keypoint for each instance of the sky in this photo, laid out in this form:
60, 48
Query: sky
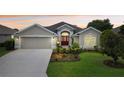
22, 21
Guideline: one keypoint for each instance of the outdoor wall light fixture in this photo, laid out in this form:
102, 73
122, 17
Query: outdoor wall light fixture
12, 36
58, 42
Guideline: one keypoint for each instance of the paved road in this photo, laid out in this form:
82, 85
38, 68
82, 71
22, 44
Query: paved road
25, 63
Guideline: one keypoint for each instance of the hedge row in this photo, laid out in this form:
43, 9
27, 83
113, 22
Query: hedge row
9, 44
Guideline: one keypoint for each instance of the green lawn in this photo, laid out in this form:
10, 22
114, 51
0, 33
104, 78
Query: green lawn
3, 51
91, 64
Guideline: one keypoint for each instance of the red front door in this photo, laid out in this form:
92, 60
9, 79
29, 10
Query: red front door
64, 40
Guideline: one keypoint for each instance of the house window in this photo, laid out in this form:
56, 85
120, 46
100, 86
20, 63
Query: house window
65, 34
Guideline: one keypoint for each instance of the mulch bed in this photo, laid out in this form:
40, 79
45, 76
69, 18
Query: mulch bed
110, 63
62, 57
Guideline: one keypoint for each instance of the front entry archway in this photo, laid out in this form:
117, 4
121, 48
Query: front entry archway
65, 38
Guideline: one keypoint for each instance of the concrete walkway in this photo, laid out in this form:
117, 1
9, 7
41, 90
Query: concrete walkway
25, 63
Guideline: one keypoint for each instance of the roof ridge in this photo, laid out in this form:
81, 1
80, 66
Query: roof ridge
56, 25
6, 30
5, 26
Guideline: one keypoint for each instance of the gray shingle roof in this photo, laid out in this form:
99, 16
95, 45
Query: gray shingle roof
6, 30
55, 26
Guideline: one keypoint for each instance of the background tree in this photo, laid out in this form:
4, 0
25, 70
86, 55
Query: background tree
110, 44
122, 29
101, 24
121, 45
121, 34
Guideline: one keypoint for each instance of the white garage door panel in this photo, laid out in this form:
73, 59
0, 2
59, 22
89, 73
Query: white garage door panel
36, 42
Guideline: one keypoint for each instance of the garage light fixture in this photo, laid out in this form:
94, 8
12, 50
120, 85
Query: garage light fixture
12, 36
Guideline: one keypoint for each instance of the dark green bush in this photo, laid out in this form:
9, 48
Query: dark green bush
1, 44
96, 48
67, 51
75, 45
9, 44
61, 50
64, 50
75, 50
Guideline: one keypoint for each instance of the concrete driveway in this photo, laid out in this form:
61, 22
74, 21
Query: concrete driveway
25, 63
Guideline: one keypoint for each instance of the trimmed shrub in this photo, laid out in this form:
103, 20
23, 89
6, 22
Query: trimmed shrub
67, 51
64, 50
1, 44
96, 48
75, 45
75, 50
9, 44
61, 50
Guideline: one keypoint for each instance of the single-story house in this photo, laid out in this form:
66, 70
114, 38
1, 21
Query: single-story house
117, 29
37, 36
6, 33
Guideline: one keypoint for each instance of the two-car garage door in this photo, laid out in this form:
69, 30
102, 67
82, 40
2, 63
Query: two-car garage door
36, 42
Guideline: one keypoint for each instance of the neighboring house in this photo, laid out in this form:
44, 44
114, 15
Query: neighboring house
117, 29
40, 37
6, 33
